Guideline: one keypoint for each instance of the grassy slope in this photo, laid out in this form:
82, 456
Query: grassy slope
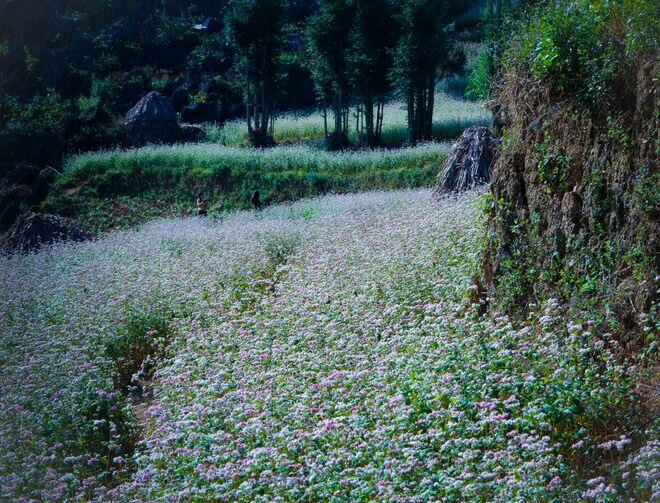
317, 350
122, 187
154, 179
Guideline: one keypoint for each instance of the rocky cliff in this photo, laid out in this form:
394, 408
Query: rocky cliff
574, 208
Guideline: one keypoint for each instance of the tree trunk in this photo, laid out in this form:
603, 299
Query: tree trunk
255, 109
325, 120
420, 113
264, 106
247, 109
411, 118
338, 113
376, 122
264, 112
379, 118
265, 119
428, 127
369, 116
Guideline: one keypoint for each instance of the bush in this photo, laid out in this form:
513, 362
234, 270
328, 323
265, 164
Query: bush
135, 345
478, 87
47, 112
583, 47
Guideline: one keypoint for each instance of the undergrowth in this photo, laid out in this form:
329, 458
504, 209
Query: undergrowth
585, 47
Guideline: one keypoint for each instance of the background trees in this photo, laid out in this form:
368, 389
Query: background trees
97, 58
329, 35
371, 42
356, 44
255, 29
417, 54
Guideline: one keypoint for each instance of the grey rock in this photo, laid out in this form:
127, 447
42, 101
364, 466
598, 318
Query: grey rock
32, 230
191, 132
152, 120
198, 113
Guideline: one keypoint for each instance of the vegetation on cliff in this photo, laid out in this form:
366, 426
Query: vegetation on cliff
574, 205
575, 188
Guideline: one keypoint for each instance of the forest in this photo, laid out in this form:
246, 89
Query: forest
75, 68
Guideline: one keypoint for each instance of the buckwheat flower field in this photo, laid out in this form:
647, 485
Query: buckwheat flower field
318, 351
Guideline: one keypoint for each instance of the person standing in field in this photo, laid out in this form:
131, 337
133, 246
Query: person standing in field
202, 205
255, 202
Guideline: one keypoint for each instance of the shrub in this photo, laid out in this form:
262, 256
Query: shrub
583, 47
47, 112
478, 87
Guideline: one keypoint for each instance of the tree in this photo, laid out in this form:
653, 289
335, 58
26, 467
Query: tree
328, 37
369, 61
416, 58
256, 30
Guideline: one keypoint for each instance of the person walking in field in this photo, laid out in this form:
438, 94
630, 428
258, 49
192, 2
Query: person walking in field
202, 205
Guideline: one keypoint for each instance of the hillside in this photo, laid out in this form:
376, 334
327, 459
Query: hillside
77, 78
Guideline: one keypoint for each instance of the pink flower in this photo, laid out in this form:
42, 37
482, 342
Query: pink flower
553, 483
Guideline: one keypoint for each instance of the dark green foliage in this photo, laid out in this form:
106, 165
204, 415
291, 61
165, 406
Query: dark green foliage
417, 56
47, 112
210, 58
553, 165
576, 46
647, 192
90, 61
